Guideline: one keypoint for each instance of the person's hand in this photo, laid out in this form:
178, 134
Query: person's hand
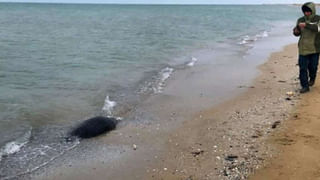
296, 31
302, 25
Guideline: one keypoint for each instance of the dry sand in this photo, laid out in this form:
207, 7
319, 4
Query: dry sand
231, 141
298, 143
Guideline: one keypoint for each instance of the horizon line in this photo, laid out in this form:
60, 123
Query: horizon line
97, 3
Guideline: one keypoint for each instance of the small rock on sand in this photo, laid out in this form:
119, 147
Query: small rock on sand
231, 157
275, 124
134, 147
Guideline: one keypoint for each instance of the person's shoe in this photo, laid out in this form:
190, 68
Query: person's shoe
311, 82
304, 90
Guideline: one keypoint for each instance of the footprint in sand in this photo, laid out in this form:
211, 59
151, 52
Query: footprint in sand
309, 140
286, 141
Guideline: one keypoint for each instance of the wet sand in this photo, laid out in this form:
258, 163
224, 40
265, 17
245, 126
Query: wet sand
227, 141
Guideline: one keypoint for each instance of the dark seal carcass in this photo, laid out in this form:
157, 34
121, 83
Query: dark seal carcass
94, 127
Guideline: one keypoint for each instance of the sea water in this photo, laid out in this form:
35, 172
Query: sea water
62, 63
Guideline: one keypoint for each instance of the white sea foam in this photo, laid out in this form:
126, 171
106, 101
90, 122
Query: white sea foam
108, 105
192, 62
157, 83
250, 39
15, 146
164, 75
247, 39
76, 143
262, 34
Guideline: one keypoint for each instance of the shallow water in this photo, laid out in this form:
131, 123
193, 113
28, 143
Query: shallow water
59, 63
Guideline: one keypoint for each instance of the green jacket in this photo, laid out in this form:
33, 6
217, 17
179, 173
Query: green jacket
309, 42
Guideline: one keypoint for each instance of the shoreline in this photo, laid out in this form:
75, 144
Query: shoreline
184, 71
161, 139
150, 124
228, 141
223, 142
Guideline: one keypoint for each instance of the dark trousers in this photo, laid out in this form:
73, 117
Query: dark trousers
308, 68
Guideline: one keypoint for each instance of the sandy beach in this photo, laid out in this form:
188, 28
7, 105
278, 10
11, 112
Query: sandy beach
297, 143
250, 135
230, 141
194, 100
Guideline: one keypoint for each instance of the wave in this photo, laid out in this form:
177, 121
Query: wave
35, 152
157, 83
263, 34
164, 75
192, 62
43, 153
245, 40
15, 146
108, 106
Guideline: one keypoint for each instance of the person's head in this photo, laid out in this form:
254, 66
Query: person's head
308, 9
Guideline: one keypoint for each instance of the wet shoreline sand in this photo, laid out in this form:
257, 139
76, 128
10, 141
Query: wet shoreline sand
228, 141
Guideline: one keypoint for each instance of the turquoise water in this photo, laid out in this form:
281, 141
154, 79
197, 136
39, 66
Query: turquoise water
58, 63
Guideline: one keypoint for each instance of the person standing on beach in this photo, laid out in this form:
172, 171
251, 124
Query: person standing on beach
308, 28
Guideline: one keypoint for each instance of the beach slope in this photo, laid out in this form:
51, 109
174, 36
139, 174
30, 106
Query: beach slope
232, 139
228, 141
298, 143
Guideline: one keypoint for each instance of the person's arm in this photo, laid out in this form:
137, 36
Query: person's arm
297, 30
313, 26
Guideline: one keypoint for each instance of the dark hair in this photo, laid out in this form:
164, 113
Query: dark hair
306, 9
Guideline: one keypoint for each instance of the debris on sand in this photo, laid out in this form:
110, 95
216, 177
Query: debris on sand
197, 153
275, 124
